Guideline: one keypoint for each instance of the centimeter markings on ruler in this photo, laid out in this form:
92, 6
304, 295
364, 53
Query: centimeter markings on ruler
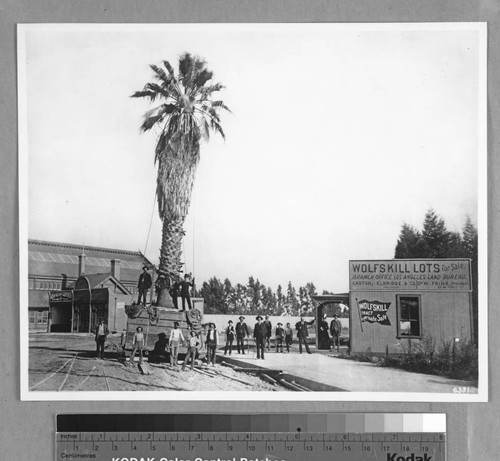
249, 445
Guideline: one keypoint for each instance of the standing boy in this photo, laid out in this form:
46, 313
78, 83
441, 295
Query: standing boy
193, 345
280, 333
138, 343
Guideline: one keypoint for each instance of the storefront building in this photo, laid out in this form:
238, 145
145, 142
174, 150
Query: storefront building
61, 276
397, 304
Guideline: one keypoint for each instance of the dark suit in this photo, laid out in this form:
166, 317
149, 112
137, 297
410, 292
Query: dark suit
260, 333
335, 330
144, 285
269, 329
241, 332
184, 286
303, 334
100, 339
174, 293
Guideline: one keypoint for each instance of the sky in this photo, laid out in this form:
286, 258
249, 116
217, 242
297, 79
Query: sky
338, 135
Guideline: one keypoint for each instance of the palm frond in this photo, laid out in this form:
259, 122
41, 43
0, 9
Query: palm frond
151, 121
206, 129
159, 90
202, 77
221, 105
170, 69
216, 127
160, 74
186, 63
144, 94
208, 90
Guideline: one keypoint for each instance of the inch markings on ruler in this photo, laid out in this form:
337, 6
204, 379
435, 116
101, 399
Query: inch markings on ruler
255, 437
257, 446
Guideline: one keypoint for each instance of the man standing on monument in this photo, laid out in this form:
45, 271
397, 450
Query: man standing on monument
184, 286
144, 285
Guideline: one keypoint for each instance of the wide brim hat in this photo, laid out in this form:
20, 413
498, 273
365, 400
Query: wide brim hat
241, 317
258, 317
279, 323
229, 321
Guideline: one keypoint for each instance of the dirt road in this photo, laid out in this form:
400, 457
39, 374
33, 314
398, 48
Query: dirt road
66, 362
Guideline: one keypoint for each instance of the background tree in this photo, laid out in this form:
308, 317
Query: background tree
470, 248
214, 295
435, 241
187, 113
410, 244
436, 236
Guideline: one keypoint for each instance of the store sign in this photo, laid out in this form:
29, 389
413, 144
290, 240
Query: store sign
374, 312
410, 275
60, 296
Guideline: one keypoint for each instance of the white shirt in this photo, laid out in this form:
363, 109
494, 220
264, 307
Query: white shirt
176, 335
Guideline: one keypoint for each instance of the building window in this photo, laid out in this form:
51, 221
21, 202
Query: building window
409, 316
31, 284
42, 317
32, 317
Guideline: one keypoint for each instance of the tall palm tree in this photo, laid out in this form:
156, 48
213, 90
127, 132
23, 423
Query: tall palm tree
187, 113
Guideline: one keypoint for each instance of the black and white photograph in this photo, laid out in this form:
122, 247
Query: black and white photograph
253, 211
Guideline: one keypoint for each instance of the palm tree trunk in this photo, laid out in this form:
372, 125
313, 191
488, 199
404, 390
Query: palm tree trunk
170, 258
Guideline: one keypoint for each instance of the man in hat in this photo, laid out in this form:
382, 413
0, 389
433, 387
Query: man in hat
144, 285
184, 286
259, 334
302, 333
241, 334
335, 330
229, 337
101, 333
280, 335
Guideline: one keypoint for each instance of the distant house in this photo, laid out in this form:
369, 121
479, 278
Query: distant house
78, 285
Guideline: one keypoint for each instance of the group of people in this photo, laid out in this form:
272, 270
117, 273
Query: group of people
194, 343
180, 287
262, 334
329, 335
209, 338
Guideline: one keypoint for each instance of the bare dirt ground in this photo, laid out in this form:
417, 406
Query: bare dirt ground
67, 362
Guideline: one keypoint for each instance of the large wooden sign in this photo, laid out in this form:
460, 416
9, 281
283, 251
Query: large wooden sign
410, 275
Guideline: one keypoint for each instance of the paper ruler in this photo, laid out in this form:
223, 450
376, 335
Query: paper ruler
255, 437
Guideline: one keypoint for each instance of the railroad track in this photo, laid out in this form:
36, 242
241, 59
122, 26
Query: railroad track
264, 374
